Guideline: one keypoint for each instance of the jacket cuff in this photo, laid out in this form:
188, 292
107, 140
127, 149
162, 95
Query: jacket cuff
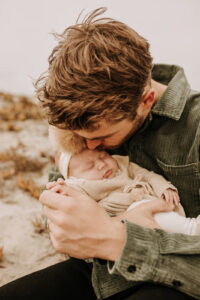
138, 257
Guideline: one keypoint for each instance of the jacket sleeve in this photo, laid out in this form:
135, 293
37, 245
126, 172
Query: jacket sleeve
54, 174
157, 182
161, 257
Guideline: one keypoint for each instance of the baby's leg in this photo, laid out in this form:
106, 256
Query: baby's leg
173, 222
134, 204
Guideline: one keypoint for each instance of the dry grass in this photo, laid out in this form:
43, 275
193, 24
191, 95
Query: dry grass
22, 177
21, 162
7, 174
8, 126
29, 185
15, 108
19, 108
39, 224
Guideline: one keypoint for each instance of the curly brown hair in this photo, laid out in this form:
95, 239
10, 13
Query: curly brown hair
98, 70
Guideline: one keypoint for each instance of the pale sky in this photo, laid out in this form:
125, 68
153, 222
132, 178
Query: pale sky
171, 26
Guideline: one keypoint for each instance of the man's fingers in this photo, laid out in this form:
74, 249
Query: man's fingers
156, 206
56, 189
72, 192
53, 200
57, 200
56, 219
51, 214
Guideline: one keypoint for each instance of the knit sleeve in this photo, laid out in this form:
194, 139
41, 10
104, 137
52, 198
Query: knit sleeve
157, 182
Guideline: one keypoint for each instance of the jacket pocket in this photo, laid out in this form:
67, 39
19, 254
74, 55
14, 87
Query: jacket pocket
186, 178
181, 170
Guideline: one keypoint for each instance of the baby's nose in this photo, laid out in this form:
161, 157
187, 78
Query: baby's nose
100, 164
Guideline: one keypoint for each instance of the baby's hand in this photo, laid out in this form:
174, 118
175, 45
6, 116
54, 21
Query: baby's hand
51, 184
57, 186
171, 196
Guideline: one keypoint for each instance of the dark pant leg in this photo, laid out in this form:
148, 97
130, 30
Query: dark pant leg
150, 291
69, 280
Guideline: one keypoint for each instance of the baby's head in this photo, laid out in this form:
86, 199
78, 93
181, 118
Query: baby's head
93, 165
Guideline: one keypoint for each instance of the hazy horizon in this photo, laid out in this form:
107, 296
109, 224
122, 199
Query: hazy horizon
171, 26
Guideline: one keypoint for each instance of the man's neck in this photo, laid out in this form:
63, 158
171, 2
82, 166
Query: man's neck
159, 89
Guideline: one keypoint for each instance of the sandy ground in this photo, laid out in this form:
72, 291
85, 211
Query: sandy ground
25, 159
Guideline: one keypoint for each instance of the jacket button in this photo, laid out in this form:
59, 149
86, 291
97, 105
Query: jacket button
176, 283
131, 268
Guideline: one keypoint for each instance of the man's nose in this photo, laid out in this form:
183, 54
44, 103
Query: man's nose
93, 144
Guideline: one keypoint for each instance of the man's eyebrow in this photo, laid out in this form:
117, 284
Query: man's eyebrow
100, 137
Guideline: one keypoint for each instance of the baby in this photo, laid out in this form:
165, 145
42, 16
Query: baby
118, 185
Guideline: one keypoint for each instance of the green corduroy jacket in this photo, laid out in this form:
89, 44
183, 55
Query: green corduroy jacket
169, 144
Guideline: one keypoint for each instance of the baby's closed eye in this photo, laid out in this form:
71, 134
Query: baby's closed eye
90, 166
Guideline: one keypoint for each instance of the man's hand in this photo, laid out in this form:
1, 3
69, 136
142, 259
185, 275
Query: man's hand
81, 228
143, 214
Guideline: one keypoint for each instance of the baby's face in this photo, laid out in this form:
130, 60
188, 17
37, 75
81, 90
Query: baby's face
93, 165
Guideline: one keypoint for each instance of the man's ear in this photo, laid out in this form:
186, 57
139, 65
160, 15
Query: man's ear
146, 102
148, 99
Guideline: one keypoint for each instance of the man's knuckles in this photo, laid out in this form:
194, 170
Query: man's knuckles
58, 246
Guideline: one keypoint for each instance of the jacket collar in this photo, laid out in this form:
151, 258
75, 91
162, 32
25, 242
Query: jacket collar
172, 102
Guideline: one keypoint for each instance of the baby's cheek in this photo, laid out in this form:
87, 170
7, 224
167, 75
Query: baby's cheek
94, 175
116, 167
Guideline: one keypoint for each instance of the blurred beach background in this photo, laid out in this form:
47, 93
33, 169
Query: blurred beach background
173, 30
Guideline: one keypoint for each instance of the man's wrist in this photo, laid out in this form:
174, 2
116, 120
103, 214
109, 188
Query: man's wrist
113, 244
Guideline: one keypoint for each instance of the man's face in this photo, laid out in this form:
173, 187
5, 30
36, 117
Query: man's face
93, 165
110, 136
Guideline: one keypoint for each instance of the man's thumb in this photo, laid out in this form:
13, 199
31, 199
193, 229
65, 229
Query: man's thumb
158, 205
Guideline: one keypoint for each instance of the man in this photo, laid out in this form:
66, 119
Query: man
100, 85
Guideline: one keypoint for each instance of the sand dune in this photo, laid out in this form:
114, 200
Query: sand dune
25, 159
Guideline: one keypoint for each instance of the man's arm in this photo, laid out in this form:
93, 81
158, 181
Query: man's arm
154, 255
79, 227
160, 257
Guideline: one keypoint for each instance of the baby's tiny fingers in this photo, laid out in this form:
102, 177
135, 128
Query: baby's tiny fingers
60, 181
177, 199
49, 185
167, 199
56, 189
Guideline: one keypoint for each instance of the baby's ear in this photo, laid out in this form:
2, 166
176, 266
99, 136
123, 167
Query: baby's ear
65, 140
